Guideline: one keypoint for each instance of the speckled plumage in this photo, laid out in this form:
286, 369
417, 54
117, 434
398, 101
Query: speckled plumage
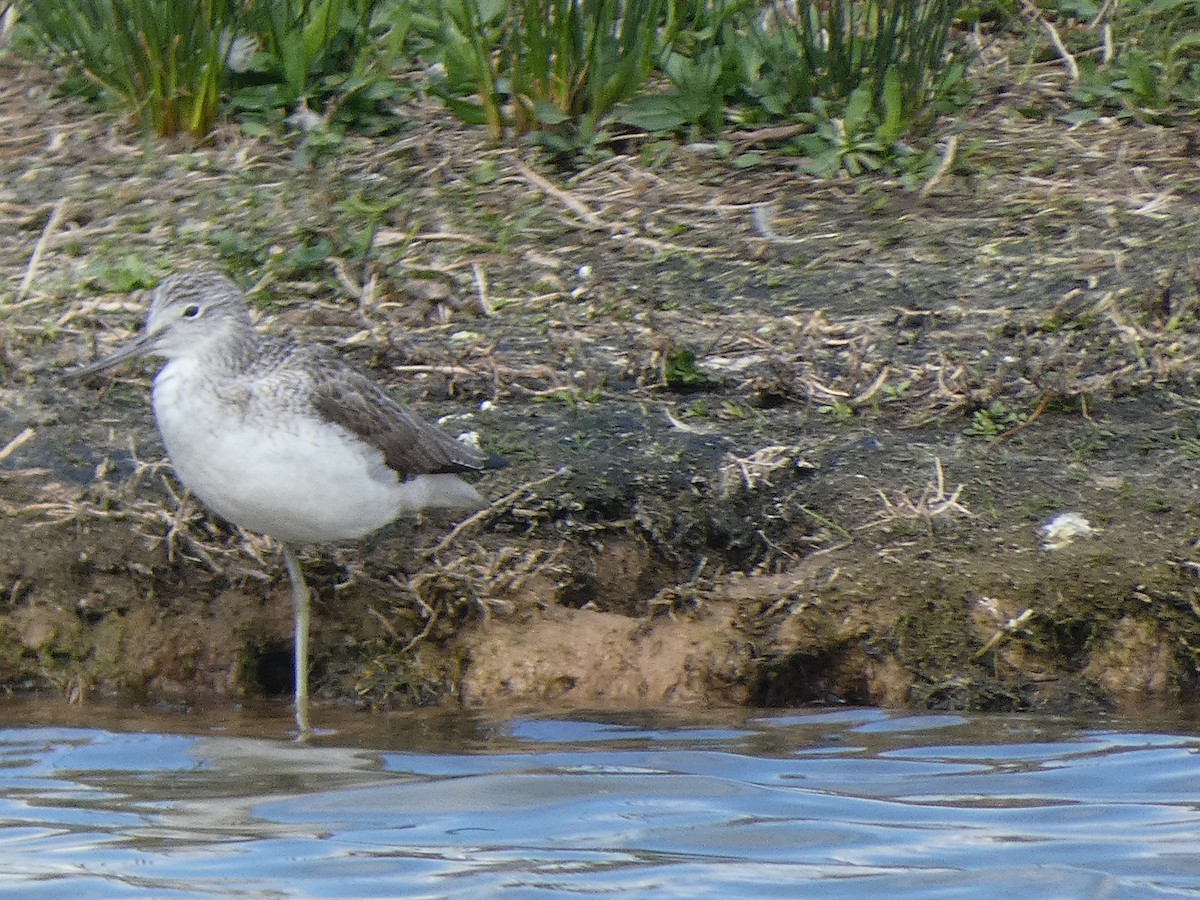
284, 439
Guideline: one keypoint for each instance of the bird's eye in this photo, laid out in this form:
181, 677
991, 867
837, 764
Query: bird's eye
191, 311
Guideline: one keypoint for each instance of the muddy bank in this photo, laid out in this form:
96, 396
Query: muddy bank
772, 440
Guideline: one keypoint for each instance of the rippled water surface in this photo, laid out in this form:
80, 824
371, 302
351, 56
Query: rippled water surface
852, 803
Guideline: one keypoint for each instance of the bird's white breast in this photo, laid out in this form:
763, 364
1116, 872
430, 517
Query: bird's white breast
272, 467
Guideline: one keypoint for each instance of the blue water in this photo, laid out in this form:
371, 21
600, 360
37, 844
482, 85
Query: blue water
853, 803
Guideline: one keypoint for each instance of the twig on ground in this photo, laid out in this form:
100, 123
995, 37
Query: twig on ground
35, 258
570, 201
1068, 60
933, 502
827, 522
753, 469
874, 388
11, 447
949, 151
1006, 629
768, 135
343, 277
1016, 429
481, 288
503, 503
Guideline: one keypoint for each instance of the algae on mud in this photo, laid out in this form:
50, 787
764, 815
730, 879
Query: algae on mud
898, 392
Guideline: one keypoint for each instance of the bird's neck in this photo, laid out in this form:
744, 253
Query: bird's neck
228, 351
241, 348
209, 365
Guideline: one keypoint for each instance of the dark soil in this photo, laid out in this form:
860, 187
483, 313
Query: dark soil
773, 440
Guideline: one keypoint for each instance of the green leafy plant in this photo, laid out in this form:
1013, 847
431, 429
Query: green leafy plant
694, 24
697, 95
856, 142
577, 60
896, 47
545, 66
992, 421
310, 53
467, 35
1154, 75
680, 372
301, 36
163, 61
120, 276
862, 72
776, 79
838, 410
1133, 85
171, 63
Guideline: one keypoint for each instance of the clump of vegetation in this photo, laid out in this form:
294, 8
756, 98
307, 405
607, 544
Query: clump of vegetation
1138, 61
851, 82
321, 61
174, 65
536, 65
163, 62
558, 70
681, 372
993, 421
884, 58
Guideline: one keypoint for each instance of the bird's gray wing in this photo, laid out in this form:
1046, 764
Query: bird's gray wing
410, 445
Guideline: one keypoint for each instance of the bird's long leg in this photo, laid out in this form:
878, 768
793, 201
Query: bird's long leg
302, 612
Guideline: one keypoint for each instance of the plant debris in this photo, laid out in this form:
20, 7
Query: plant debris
901, 385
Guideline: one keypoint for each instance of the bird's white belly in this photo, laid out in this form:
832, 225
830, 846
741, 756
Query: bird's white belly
294, 477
